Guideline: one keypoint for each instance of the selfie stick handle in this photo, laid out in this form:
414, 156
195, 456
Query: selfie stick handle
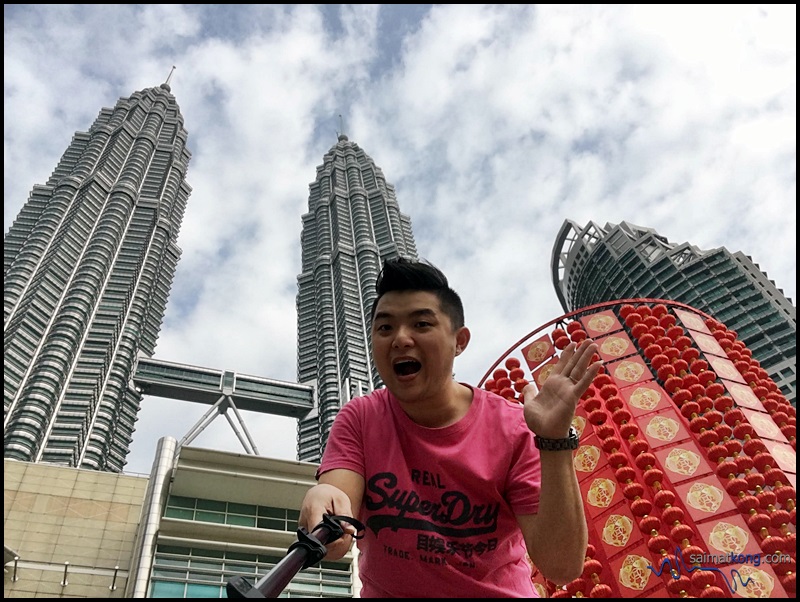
308, 550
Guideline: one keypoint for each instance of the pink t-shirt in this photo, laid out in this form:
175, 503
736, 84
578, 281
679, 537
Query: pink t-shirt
440, 503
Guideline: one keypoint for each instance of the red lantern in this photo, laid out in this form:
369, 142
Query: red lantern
508, 393
671, 515
680, 532
578, 336
679, 586
649, 524
641, 507
561, 342
664, 498
681, 366
658, 544
629, 430
636, 490
661, 312
653, 476
664, 371
652, 350
500, 373
574, 326
601, 590
658, 361
591, 567
516, 373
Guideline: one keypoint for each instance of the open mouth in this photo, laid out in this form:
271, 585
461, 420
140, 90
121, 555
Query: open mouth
407, 367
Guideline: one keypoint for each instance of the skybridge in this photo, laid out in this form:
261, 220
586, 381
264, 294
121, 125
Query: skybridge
223, 390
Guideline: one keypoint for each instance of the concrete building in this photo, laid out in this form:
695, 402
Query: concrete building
592, 264
199, 519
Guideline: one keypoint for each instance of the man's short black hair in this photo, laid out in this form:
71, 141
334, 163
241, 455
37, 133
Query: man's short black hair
405, 274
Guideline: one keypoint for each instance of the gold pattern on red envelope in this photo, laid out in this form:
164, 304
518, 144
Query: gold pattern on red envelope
765, 426
634, 572
538, 351
645, 398
705, 497
600, 323
708, 343
540, 375
784, 455
662, 428
692, 321
682, 461
725, 368
727, 537
586, 458
628, 371
756, 583
617, 530
601, 492
579, 422
743, 395
615, 346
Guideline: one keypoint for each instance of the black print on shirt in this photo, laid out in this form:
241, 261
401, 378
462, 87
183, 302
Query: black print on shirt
452, 515
431, 543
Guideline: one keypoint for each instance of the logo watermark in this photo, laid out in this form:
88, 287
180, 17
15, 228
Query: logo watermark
700, 562
734, 558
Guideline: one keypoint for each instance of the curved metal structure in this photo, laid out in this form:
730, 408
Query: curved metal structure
687, 463
591, 264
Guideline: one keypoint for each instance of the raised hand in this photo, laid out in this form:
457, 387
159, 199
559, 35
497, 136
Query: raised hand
549, 412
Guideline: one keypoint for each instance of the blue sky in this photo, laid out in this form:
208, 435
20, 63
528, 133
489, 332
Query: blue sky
495, 123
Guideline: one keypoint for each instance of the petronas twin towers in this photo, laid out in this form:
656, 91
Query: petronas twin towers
87, 270
353, 223
90, 259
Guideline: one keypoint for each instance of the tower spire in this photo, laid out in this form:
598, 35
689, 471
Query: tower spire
169, 77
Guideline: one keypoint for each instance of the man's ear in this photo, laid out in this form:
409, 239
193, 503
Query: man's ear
462, 339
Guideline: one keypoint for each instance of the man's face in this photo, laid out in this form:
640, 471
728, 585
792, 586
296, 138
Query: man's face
413, 344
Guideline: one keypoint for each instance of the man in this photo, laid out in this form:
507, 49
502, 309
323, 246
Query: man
447, 478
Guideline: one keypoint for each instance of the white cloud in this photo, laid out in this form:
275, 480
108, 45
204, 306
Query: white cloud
495, 123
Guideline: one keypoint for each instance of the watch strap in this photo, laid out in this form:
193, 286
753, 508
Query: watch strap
567, 443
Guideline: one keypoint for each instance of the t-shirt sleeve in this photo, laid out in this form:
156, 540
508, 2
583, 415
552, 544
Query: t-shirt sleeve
345, 446
525, 475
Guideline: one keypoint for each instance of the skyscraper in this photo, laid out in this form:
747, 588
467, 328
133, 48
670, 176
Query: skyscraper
353, 223
87, 269
593, 264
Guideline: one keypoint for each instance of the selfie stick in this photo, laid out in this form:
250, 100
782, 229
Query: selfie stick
308, 550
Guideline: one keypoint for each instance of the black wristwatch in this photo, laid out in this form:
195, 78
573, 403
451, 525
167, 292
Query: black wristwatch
568, 442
